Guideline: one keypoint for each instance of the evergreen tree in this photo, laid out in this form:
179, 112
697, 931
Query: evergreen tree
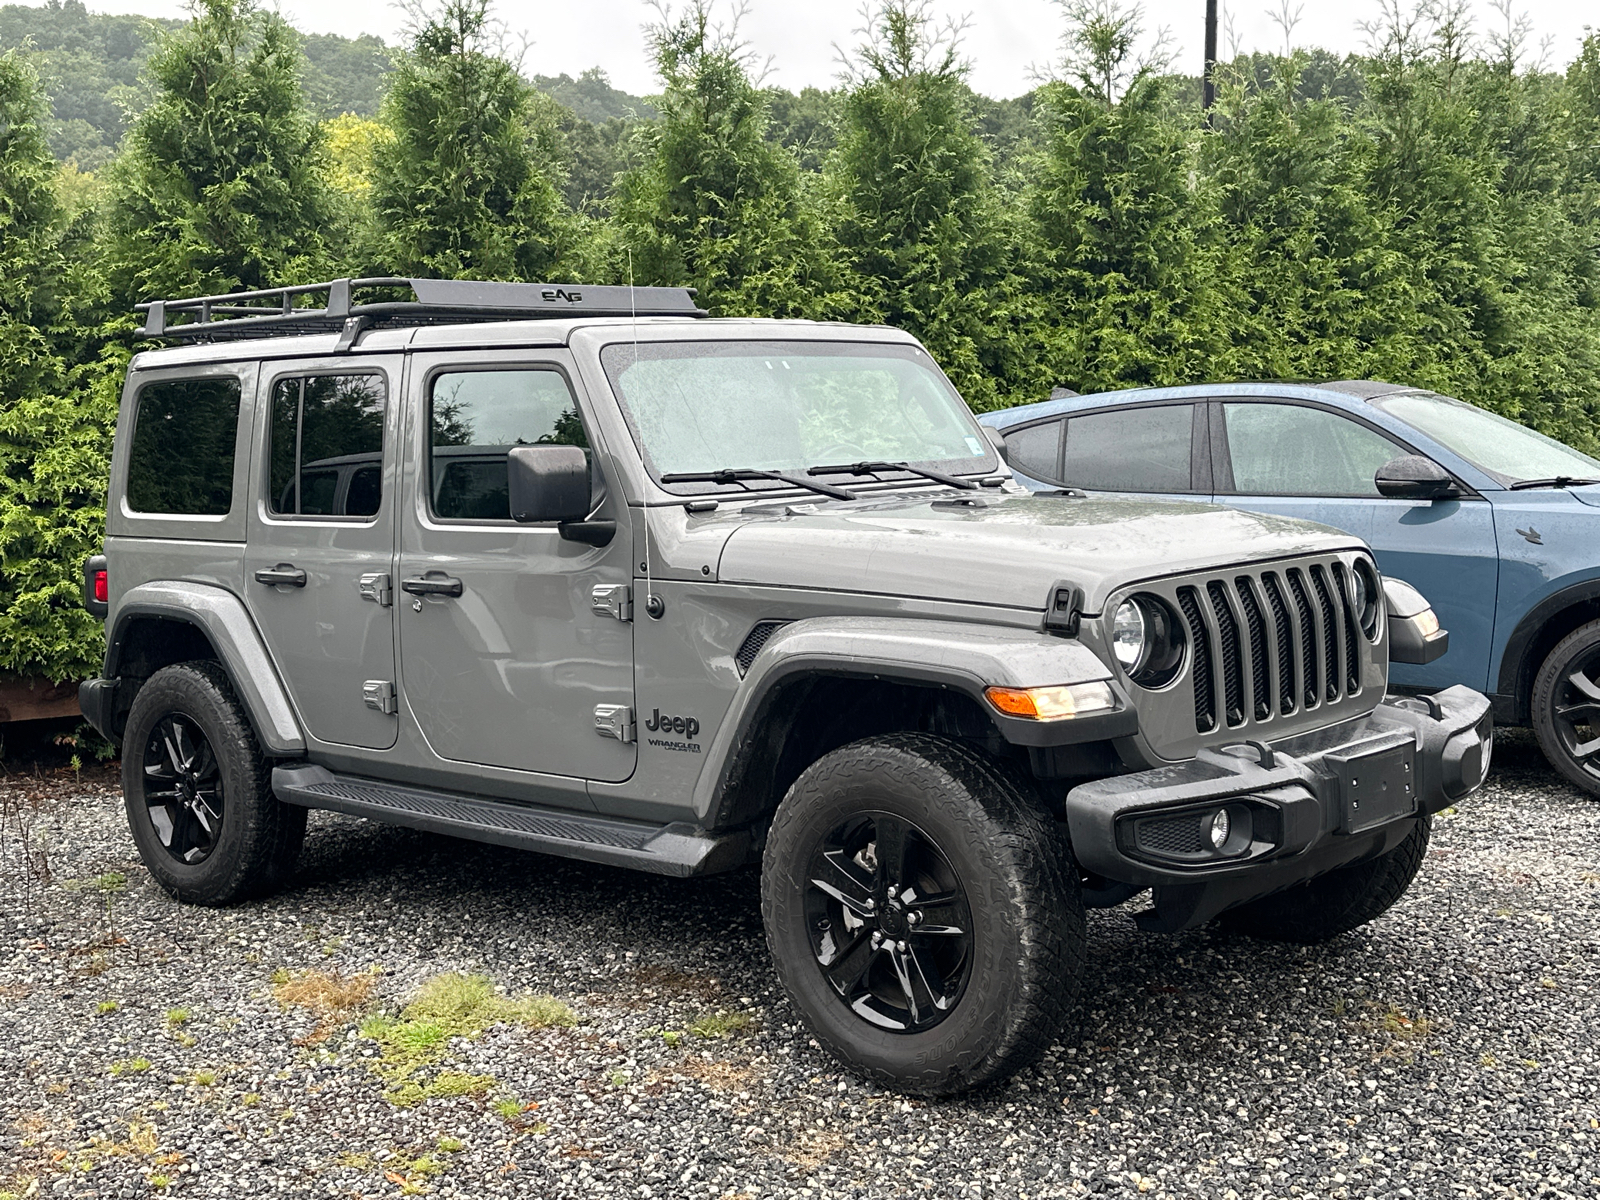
1125, 229
221, 184
469, 185
712, 201
54, 438
916, 218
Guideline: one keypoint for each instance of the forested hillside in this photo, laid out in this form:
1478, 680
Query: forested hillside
1428, 213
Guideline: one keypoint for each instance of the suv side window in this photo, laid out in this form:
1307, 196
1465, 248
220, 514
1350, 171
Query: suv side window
326, 446
1035, 450
475, 418
181, 459
1297, 450
1146, 449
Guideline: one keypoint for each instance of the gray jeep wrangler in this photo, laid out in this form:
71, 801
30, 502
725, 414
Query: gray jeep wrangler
577, 570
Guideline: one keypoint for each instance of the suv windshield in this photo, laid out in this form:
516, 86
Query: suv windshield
789, 406
1510, 452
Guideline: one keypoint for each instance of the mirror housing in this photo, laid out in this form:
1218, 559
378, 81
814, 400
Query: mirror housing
1414, 477
998, 441
547, 483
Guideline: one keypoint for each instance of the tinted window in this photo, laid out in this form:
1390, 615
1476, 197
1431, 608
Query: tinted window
1292, 450
181, 460
327, 432
1035, 450
1130, 450
476, 417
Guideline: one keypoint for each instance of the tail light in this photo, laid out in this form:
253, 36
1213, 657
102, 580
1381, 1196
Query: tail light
96, 586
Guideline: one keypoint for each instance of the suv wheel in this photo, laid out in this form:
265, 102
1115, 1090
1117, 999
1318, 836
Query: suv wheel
1342, 900
1566, 707
198, 791
924, 916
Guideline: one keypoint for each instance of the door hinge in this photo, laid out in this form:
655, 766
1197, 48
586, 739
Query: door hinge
614, 721
613, 600
375, 586
379, 694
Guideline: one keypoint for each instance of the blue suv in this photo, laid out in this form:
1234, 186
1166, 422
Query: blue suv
1498, 526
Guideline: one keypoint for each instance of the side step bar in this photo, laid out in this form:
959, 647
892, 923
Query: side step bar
677, 849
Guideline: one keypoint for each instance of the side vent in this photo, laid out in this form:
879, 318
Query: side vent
753, 641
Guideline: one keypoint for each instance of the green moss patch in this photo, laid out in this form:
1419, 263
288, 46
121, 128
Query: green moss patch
413, 1044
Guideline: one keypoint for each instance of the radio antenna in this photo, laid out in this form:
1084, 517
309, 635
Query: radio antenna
644, 512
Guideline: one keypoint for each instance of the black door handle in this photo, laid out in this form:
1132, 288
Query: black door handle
432, 585
282, 575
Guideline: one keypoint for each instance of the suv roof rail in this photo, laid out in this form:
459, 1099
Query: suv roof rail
289, 311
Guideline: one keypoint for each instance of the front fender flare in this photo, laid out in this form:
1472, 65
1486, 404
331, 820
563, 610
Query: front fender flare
966, 658
222, 617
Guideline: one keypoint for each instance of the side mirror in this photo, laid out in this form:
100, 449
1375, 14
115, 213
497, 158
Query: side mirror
547, 483
998, 441
1414, 477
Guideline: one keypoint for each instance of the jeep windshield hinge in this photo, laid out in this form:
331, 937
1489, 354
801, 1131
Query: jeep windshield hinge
612, 600
614, 721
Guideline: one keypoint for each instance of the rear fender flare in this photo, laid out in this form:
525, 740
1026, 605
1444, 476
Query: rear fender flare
221, 617
965, 658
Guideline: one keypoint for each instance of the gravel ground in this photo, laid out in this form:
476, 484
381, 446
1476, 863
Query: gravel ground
1447, 1050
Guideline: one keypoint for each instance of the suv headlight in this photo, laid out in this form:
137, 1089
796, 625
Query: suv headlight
1147, 640
1366, 596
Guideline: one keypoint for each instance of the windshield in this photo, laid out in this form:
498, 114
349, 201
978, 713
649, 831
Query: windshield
1506, 450
788, 406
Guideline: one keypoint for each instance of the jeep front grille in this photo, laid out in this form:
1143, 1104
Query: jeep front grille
1267, 642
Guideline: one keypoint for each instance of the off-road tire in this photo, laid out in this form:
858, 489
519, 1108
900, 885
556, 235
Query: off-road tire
1028, 943
260, 836
1342, 900
1568, 654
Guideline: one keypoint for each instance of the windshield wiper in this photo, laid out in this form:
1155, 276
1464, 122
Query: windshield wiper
873, 468
742, 473
1560, 481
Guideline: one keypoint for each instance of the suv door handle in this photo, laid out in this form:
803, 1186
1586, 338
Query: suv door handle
282, 575
432, 585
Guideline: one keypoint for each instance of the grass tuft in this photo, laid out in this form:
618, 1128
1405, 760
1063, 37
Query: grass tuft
723, 1025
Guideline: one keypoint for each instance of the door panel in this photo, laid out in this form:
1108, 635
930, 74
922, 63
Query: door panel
322, 519
1300, 460
508, 672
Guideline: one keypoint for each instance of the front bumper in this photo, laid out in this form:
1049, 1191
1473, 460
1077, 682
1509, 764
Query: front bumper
1295, 809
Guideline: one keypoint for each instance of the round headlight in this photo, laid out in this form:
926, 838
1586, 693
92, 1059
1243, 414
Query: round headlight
1128, 636
1148, 640
1366, 597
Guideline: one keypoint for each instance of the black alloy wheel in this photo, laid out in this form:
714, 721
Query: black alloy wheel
923, 912
183, 788
891, 929
198, 790
1566, 707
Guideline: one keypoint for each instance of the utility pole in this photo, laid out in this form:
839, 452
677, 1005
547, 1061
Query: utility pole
1209, 88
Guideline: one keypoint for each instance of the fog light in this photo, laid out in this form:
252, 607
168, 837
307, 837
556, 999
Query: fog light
1221, 826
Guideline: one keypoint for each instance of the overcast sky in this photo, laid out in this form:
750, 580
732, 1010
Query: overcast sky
1006, 40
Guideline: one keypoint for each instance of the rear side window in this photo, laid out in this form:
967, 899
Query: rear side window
475, 418
326, 446
181, 460
1035, 450
1131, 449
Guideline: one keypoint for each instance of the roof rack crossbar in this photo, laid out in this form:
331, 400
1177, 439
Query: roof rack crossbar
268, 312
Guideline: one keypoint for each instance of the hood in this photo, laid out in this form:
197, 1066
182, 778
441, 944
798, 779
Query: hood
1004, 549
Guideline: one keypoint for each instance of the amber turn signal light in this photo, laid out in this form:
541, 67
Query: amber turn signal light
1052, 703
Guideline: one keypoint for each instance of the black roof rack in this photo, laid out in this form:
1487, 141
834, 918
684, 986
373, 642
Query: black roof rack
293, 310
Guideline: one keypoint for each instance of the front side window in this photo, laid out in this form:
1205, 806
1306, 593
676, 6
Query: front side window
475, 418
1293, 450
1510, 452
790, 406
1131, 449
181, 459
326, 446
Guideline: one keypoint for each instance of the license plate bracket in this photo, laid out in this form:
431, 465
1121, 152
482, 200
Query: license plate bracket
1375, 786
